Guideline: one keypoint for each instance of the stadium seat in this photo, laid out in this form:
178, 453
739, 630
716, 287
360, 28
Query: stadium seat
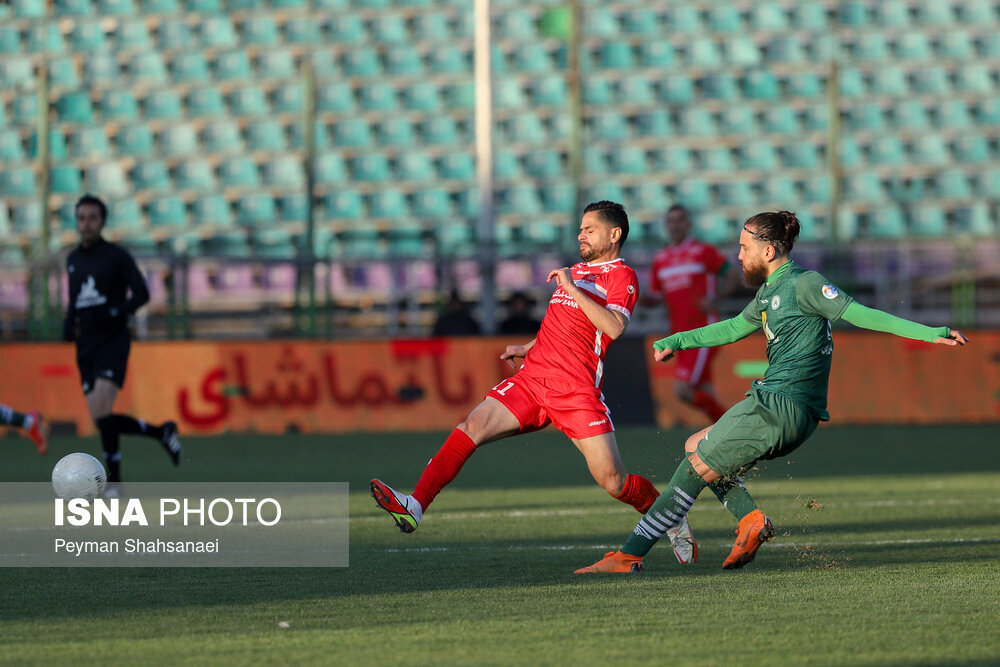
543, 164
432, 26
863, 187
150, 175
274, 243
345, 204
468, 203
656, 54
276, 64
737, 120
817, 189
10, 38
74, 108
719, 86
976, 12
865, 117
24, 109
65, 179
641, 21
934, 14
266, 135
782, 119
693, 193
63, 73
672, 159
697, 122
508, 93
44, 38
217, 32
377, 96
892, 13
403, 60
175, 35
302, 31
205, 103
971, 150
255, 210
716, 158
167, 212
432, 203
334, 98
162, 104
871, 46
461, 95
330, 169
850, 152
885, 222
760, 85
259, 30
988, 183
449, 59
421, 97
951, 114
974, 78
371, 167
628, 160
520, 200
195, 175
654, 123
988, 111
931, 80
955, 45
11, 149
293, 208
135, 141
683, 19
284, 171
703, 52
853, 13
204, 6
785, 50
223, 137
801, 155
232, 66
287, 99
457, 166
913, 46
905, 189
440, 130
227, 243
975, 219
886, 150
506, 165
17, 73
388, 203
212, 210
101, 70
179, 140
361, 61
758, 155
615, 55
249, 102
133, 35
737, 193
910, 115
88, 142
238, 172
25, 216
648, 197
549, 90
779, 192
607, 125
87, 36
353, 133
189, 67
126, 214
804, 84
890, 80
397, 131
598, 89
724, 18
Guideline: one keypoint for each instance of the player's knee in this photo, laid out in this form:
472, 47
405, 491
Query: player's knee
691, 444
612, 482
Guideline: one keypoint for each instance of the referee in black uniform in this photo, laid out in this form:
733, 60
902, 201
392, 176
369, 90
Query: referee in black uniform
105, 287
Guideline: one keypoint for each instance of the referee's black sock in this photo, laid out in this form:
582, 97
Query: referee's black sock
131, 426
108, 427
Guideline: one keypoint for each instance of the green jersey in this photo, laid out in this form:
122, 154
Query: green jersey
797, 310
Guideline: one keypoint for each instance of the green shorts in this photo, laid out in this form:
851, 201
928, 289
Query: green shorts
764, 425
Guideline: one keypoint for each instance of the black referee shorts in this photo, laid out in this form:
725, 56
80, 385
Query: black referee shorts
107, 359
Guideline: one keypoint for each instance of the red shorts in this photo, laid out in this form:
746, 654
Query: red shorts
694, 366
579, 412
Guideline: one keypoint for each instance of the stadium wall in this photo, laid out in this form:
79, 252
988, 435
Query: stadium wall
431, 384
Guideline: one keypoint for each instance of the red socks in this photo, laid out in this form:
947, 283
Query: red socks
443, 468
707, 404
639, 492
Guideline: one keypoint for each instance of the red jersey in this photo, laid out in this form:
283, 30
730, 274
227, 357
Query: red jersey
685, 275
568, 346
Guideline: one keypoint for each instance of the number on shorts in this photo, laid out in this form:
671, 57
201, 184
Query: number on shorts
506, 387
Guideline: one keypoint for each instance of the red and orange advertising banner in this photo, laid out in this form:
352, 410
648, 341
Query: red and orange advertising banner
432, 384
876, 378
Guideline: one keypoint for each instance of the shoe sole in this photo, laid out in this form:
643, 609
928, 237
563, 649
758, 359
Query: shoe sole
382, 501
765, 533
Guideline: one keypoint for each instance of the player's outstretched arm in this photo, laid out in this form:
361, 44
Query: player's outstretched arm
877, 320
719, 333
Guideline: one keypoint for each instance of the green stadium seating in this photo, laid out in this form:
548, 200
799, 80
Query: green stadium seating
506, 165
297, 139
905, 190
801, 155
189, 67
24, 109
403, 60
330, 169
951, 183
607, 125
865, 117
249, 102
10, 38
274, 243
74, 107
693, 193
431, 203
913, 46
441, 130
232, 66
886, 150
697, 122
976, 12
468, 203
648, 197
971, 150
101, 70
910, 115
302, 31
760, 85
683, 19
238, 172
259, 30
975, 219
716, 158
195, 175
677, 88
892, 13
116, 7
737, 120
65, 179
974, 78
449, 59
863, 187
432, 26
223, 137
87, 36
737, 193
162, 104
598, 89
785, 50
205, 103
779, 192
231, 243
543, 164
397, 131
890, 80
345, 204
179, 140
656, 53
421, 97
217, 32
377, 96
150, 175
266, 134
284, 171
175, 35
276, 64
287, 98
17, 73
951, 114
44, 38
641, 21
636, 89
703, 52
817, 189
955, 45
931, 80
133, 35
934, 14
871, 46
25, 216
135, 141
850, 153
388, 203
615, 55
63, 73
167, 212
549, 90
988, 111
361, 61
782, 119
655, 123
212, 210
160, 6
11, 149
628, 160
126, 214
724, 18
293, 208
335, 98
672, 159
371, 167
720, 86
767, 16
457, 166
885, 222
804, 84
520, 200
508, 93
255, 210
758, 155
88, 142
352, 132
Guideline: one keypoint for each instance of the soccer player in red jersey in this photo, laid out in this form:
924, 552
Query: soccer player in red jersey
686, 275
559, 381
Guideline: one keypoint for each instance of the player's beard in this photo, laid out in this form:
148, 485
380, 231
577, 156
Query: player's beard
590, 253
754, 276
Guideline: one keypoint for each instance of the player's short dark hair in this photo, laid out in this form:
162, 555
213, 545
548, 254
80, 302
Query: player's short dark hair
612, 213
679, 207
93, 201
779, 228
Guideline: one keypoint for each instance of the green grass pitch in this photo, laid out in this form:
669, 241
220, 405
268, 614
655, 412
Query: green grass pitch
888, 552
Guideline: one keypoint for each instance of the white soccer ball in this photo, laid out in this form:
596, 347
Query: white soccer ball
78, 475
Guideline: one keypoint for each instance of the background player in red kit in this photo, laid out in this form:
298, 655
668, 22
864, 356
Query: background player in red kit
687, 275
559, 381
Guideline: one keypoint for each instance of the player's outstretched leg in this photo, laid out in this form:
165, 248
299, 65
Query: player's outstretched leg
404, 510
754, 530
171, 442
38, 430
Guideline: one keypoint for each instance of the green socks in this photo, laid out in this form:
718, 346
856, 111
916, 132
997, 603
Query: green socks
733, 495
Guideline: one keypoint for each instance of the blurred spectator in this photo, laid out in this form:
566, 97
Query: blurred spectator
455, 319
519, 319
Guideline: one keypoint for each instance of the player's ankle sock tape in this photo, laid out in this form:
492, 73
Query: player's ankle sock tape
668, 510
733, 496
444, 467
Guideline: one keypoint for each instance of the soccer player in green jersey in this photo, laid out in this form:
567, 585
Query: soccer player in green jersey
796, 309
